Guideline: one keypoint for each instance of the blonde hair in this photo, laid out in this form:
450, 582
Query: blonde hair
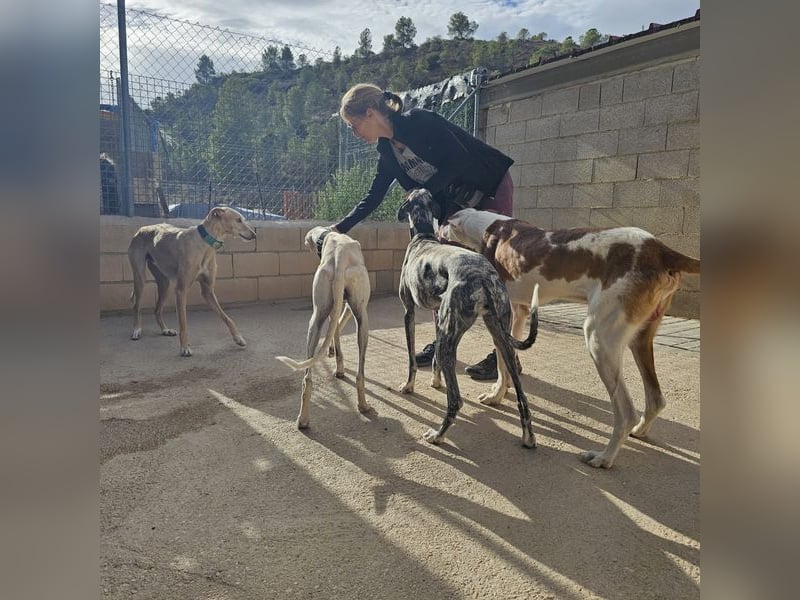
362, 96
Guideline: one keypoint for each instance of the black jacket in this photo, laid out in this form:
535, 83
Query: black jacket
459, 157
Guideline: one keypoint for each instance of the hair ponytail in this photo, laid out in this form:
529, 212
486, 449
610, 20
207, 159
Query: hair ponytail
362, 96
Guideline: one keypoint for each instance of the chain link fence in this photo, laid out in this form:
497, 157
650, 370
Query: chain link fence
215, 116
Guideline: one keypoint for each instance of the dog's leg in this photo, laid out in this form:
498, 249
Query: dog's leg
642, 349
163, 283
207, 289
495, 395
137, 267
445, 356
336, 349
322, 309
507, 364
362, 324
605, 340
408, 322
180, 305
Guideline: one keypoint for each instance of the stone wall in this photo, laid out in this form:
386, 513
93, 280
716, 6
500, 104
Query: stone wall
609, 138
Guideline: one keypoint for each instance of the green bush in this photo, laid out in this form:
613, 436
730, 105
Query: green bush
348, 188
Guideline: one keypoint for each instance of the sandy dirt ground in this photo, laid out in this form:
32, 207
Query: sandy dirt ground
208, 490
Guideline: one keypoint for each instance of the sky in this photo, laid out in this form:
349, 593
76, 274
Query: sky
325, 24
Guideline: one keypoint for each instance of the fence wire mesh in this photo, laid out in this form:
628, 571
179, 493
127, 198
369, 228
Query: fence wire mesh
209, 111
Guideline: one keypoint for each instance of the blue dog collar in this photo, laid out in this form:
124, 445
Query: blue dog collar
208, 238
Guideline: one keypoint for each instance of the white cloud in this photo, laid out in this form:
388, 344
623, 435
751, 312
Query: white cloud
325, 24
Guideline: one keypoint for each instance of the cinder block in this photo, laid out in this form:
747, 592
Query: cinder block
589, 96
527, 153
621, 116
384, 282
688, 244
683, 135
510, 133
297, 263
392, 238
497, 114
543, 128
397, 258
527, 108
642, 139
611, 91
571, 217
117, 296
237, 290
535, 175
615, 168
116, 238
111, 267
255, 264
680, 192
282, 287
656, 220
580, 122
237, 244
378, 260
554, 196
489, 135
280, 237
559, 150
691, 220
593, 195
560, 101
539, 217
574, 171
647, 84
663, 165
525, 197
686, 76
224, 266
637, 193
694, 163
366, 233
671, 108
596, 145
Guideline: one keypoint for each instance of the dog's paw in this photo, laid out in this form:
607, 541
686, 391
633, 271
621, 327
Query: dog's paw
302, 424
432, 436
364, 408
407, 388
595, 459
641, 430
137, 333
186, 351
170, 332
331, 352
339, 374
528, 439
239, 340
491, 398
436, 382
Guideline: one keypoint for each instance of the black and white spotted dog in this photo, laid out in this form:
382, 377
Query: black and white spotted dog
461, 285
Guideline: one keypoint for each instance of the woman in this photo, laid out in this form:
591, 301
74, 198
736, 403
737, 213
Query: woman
422, 149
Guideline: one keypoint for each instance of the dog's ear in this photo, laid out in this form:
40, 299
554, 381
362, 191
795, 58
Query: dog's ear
402, 212
217, 213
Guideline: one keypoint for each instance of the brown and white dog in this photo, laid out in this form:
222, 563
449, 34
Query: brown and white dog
624, 274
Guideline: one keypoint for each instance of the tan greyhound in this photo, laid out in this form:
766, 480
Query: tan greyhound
183, 255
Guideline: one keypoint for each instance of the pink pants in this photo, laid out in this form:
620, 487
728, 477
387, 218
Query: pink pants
503, 201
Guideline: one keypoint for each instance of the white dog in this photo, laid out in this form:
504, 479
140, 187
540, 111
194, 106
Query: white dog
341, 278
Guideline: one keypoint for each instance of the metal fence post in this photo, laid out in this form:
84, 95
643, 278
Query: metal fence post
124, 107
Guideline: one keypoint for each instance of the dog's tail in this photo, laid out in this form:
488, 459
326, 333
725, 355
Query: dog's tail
534, 330
336, 312
676, 262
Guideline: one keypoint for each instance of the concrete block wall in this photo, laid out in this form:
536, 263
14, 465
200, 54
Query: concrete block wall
610, 146
275, 266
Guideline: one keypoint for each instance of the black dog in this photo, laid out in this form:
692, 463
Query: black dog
461, 285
